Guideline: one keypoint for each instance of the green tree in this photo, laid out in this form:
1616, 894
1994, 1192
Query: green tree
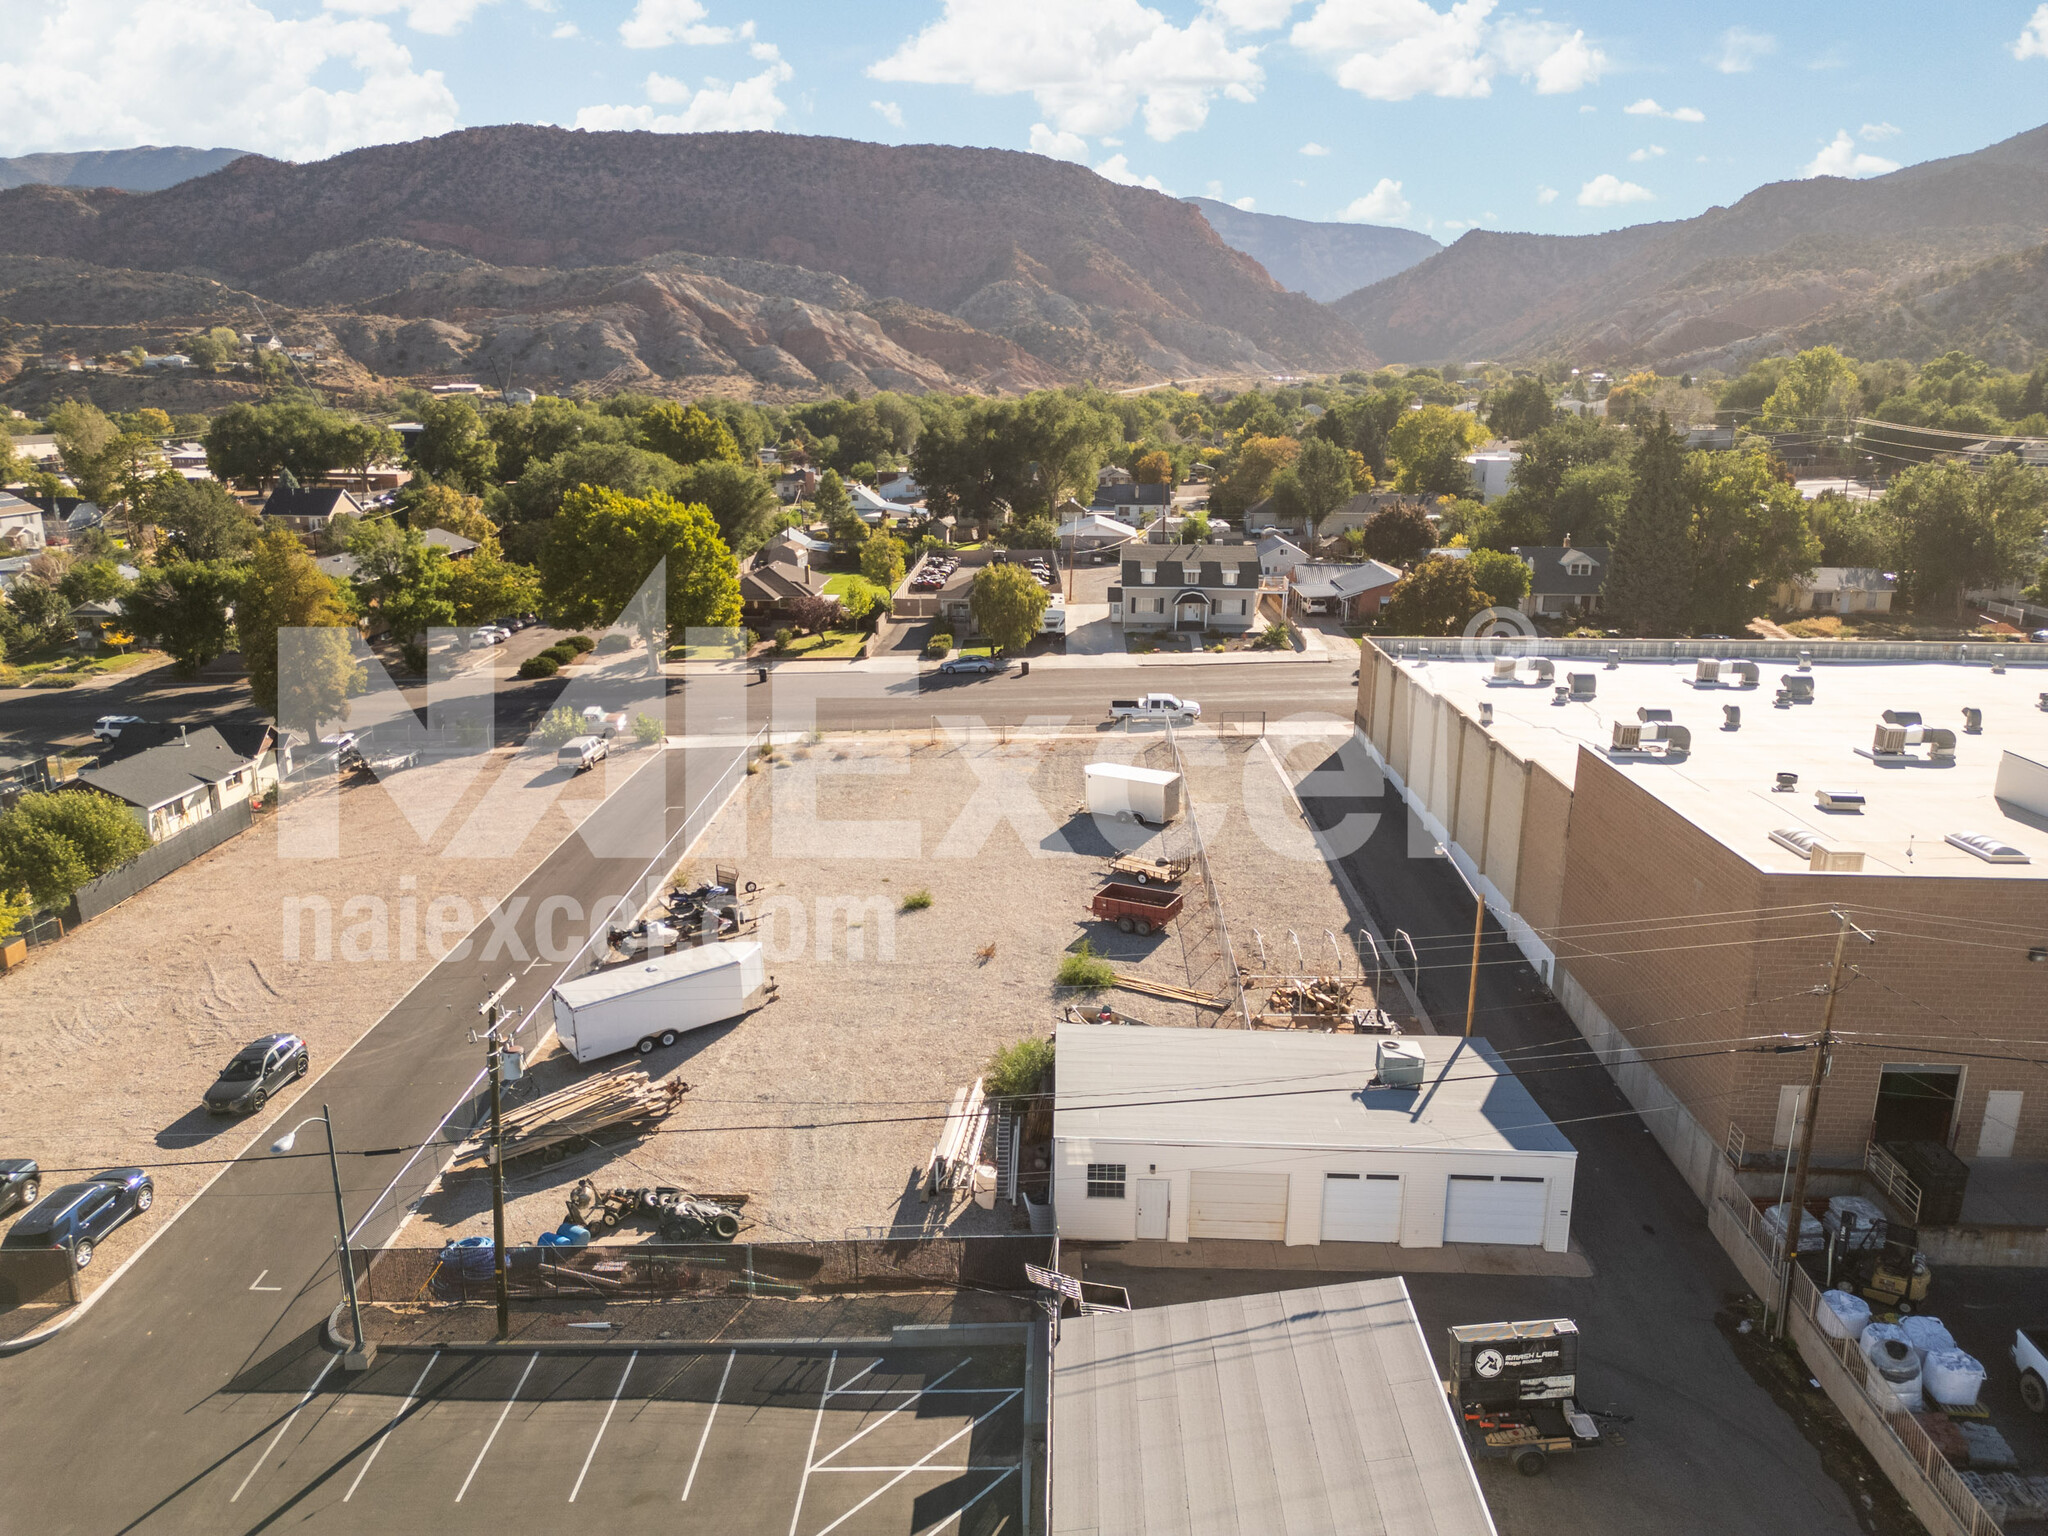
1435, 598
1650, 581
835, 507
688, 435
603, 545
1955, 528
51, 844
42, 612
184, 609
442, 506
1503, 577
529, 434
1750, 532
1037, 531
1070, 439
546, 483
214, 348
1398, 535
1589, 503
1008, 605
1322, 481
453, 447
1818, 392
1430, 445
92, 581
486, 585
1520, 410
741, 498
1852, 533
16, 907
300, 680
1154, 468
882, 561
1250, 478
89, 445
404, 576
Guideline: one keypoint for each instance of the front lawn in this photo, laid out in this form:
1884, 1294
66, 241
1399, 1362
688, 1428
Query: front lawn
847, 582
833, 645
77, 668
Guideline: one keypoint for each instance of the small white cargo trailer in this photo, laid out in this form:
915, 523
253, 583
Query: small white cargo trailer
650, 1003
1150, 795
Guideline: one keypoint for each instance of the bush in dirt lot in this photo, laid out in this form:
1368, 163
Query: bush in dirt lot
581, 643
539, 666
917, 901
1018, 1068
612, 644
558, 725
1085, 968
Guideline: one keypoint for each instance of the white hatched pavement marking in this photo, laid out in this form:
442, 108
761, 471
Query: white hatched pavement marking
885, 1418
923, 1463
994, 1484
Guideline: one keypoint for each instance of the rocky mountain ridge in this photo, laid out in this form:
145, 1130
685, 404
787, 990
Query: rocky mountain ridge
1323, 260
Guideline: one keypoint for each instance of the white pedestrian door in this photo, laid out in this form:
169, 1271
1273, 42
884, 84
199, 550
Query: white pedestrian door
1483, 1208
1152, 1207
1361, 1208
1226, 1204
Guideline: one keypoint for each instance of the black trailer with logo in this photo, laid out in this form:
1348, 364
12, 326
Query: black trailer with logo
1514, 1387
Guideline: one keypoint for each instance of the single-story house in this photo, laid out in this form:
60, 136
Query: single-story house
1088, 533
1354, 513
89, 619
308, 510
178, 784
1563, 579
900, 487
1278, 556
343, 567
954, 606
1282, 1411
1710, 437
1493, 471
21, 525
1127, 503
777, 574
1112, 474
38, 448
795, 485
1187, 587
517, 396
167, 360
1353, 593
1155, 1139
1839, 589
875, 509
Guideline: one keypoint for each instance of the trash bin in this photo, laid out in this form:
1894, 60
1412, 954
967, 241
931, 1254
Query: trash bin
760, 674
1024, 669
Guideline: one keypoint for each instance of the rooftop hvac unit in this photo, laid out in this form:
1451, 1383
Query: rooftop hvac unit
1990, 849
1973, 721
1747, 672
1582, 684
1731, 717
1704, 672
1627, 738
1892, 741
1901, 717
1676, 738
1544, 668
1647, 714
1399, 1064
1838, 800
1800, 688
1503, 667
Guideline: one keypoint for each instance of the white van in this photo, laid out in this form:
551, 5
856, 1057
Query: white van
582, 752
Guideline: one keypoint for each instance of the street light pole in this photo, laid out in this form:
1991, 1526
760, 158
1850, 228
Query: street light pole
358, 1358
1478, 934
495, 1063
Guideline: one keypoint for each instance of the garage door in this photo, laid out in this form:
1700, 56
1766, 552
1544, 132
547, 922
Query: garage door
1361, 1208
1485, 1209
1222, 1204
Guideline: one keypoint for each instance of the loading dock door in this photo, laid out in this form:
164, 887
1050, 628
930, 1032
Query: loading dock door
1482, 1208
1361, 1208
1916, 1103
1226, 1204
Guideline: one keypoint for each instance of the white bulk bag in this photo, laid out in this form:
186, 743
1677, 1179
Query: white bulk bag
1925, 1334
1952, 1377
1843, 1314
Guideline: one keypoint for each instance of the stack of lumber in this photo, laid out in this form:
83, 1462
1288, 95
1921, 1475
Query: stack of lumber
609, 1101
956, 1159
1169, 992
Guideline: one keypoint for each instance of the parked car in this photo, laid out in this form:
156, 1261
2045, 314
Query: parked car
109, 727
78, 1217
510, 623
20, 1183
2039, 634
582, 752
257, 1071
2030, 1358
971, 664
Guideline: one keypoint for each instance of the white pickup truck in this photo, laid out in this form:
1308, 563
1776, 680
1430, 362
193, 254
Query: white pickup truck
1156, 706
2030, 1355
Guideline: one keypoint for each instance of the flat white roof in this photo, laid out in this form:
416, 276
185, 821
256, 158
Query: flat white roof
623, 980
1724, 785
1130, 773
1277, 1089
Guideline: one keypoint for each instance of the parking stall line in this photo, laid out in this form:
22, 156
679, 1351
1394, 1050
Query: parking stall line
609, 1410
385, 1433
994, 1484
723, 1377
847, 1385
922, 1464
532, 1361
885, 1418
332, 1361
811, 1455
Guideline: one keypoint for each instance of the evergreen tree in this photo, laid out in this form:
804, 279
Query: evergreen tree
1649, 587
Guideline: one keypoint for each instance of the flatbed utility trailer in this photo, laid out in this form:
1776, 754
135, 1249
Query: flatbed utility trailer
1129, 866
1136, 908
1513, 1389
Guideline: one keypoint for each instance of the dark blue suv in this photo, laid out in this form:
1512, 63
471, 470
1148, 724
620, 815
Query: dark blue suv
78, 1216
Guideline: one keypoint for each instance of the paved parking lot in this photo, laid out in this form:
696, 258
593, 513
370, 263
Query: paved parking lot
910, 1441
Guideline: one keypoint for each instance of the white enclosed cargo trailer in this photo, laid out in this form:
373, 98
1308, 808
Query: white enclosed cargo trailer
1150, 795
637, 1007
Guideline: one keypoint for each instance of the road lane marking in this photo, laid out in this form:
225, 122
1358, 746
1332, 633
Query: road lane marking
922, 1463
332, 1361
258, 1285
531, 1361
608, 1411
723, 1376
810, 1456
385, 1433
885, 1418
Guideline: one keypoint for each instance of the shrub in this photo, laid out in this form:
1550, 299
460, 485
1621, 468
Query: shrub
539, 666
938, 645
561, 655
1085, 968
917, 901
648, 730
782, 638
1018, 1069
612, 644
581, 643
558, 725
1273, 638
54, 682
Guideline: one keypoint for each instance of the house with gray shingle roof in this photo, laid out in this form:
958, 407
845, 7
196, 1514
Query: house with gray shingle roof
1563, 578
171, 787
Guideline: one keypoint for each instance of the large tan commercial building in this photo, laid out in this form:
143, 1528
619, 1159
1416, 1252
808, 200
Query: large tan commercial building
1650, 855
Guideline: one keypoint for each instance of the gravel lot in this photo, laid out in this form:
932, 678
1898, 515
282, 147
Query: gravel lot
821, 1107
108, 1038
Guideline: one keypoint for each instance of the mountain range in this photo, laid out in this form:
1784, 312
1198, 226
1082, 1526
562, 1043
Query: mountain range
1324, 261
145, 168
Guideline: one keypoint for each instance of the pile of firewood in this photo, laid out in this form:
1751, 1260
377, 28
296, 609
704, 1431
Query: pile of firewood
623, 1099
1319, 994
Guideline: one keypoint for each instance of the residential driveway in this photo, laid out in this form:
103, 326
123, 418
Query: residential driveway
1090, 633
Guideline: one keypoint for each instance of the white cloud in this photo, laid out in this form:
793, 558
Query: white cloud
1588, 107
1392, 50
564, 30
1313, 148
892, 114
717, 107
1605, 191
1117, 168
1870, 133
1647, 152
209, 72
2032, 43
1741, 48
1061, 146
1842, 158
1246, 203
1648, 107
442, 18
1546, 194
1252, 15
658, 23
1089, 64
1384, 204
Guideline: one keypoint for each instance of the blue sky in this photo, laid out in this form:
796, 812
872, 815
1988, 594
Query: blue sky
1567, 118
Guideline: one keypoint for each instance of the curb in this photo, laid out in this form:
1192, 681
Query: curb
908, 1336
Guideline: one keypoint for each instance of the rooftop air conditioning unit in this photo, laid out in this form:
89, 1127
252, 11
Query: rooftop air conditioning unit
1627, 738
1582, 684
1838, 800
1748, 672
1799, 687
1901, 717
1706, 672
1504, 668
1990, 849
1647, 714
1973, 721
1400, 1064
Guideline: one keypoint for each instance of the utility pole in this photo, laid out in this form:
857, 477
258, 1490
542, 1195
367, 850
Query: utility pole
1823, 1060
494, 1070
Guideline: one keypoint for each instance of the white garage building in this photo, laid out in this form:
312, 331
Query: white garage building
1177, 1134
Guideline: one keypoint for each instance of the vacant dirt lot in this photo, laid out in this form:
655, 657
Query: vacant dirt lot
823, 1106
